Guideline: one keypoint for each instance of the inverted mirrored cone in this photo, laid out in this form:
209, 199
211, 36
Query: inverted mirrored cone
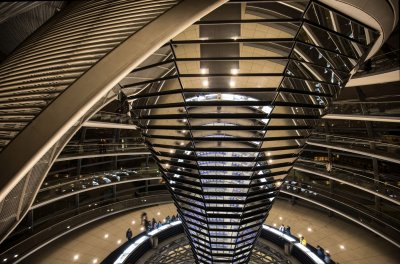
228, 107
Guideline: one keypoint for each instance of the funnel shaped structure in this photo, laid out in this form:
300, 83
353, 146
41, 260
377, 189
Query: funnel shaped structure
235, 98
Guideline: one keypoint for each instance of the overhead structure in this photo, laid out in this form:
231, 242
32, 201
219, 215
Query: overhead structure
236, 97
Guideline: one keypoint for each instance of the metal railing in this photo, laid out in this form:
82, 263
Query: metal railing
110, 117
34, 241
383, 223
383, 189
379, 63
88, 182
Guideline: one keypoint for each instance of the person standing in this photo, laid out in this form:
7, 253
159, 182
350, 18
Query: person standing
303, 241
129, 234
287, 231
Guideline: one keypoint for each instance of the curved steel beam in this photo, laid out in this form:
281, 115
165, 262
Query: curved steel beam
92, 155
40, 135
368, 118
27, 159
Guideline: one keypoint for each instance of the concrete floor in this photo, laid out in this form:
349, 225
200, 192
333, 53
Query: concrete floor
346, 242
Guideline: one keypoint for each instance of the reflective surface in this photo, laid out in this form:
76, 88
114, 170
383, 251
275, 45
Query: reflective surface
229, 106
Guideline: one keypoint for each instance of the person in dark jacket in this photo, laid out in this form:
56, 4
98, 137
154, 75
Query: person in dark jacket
320, 252
129, 234
287, 231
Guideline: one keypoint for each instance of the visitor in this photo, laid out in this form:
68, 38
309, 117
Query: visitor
173, 219
320, 252
282, 228
143, 217
129, 234
327, 258
167, 219
159, 224
303, 241
287, 231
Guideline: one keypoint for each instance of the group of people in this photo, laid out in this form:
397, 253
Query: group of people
154, 224
151, 225
321, 253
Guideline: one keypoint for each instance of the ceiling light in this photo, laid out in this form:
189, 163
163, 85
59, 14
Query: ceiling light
268, 153
94, 261
182, 143
142, 228
76, 257
235, 37
274, 225
119, 241
270, 161
203, 70
309, 229
158, 213
205, 83
16, 256
133, 222
171, 151
5, 259
106, 236
232, 83
341, 247
234, 71
280, 217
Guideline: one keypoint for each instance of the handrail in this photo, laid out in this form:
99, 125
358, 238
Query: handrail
59, 197
345, 216
42, 238
335, 178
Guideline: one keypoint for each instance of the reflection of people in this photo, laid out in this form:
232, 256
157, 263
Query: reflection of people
129, 234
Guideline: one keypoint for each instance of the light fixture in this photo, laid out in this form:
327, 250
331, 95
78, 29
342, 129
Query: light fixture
94, 261
232, 83
341, 247
234, 71
171, 151
235, 37
270, 161
268, 153
76, 257
309, 229
16, 256
119, 241
205, 83
274, 225
5, 259
182, 143
158, 213
133, 222
203, 70
142, 228
280, 217
106, 236
299, 234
